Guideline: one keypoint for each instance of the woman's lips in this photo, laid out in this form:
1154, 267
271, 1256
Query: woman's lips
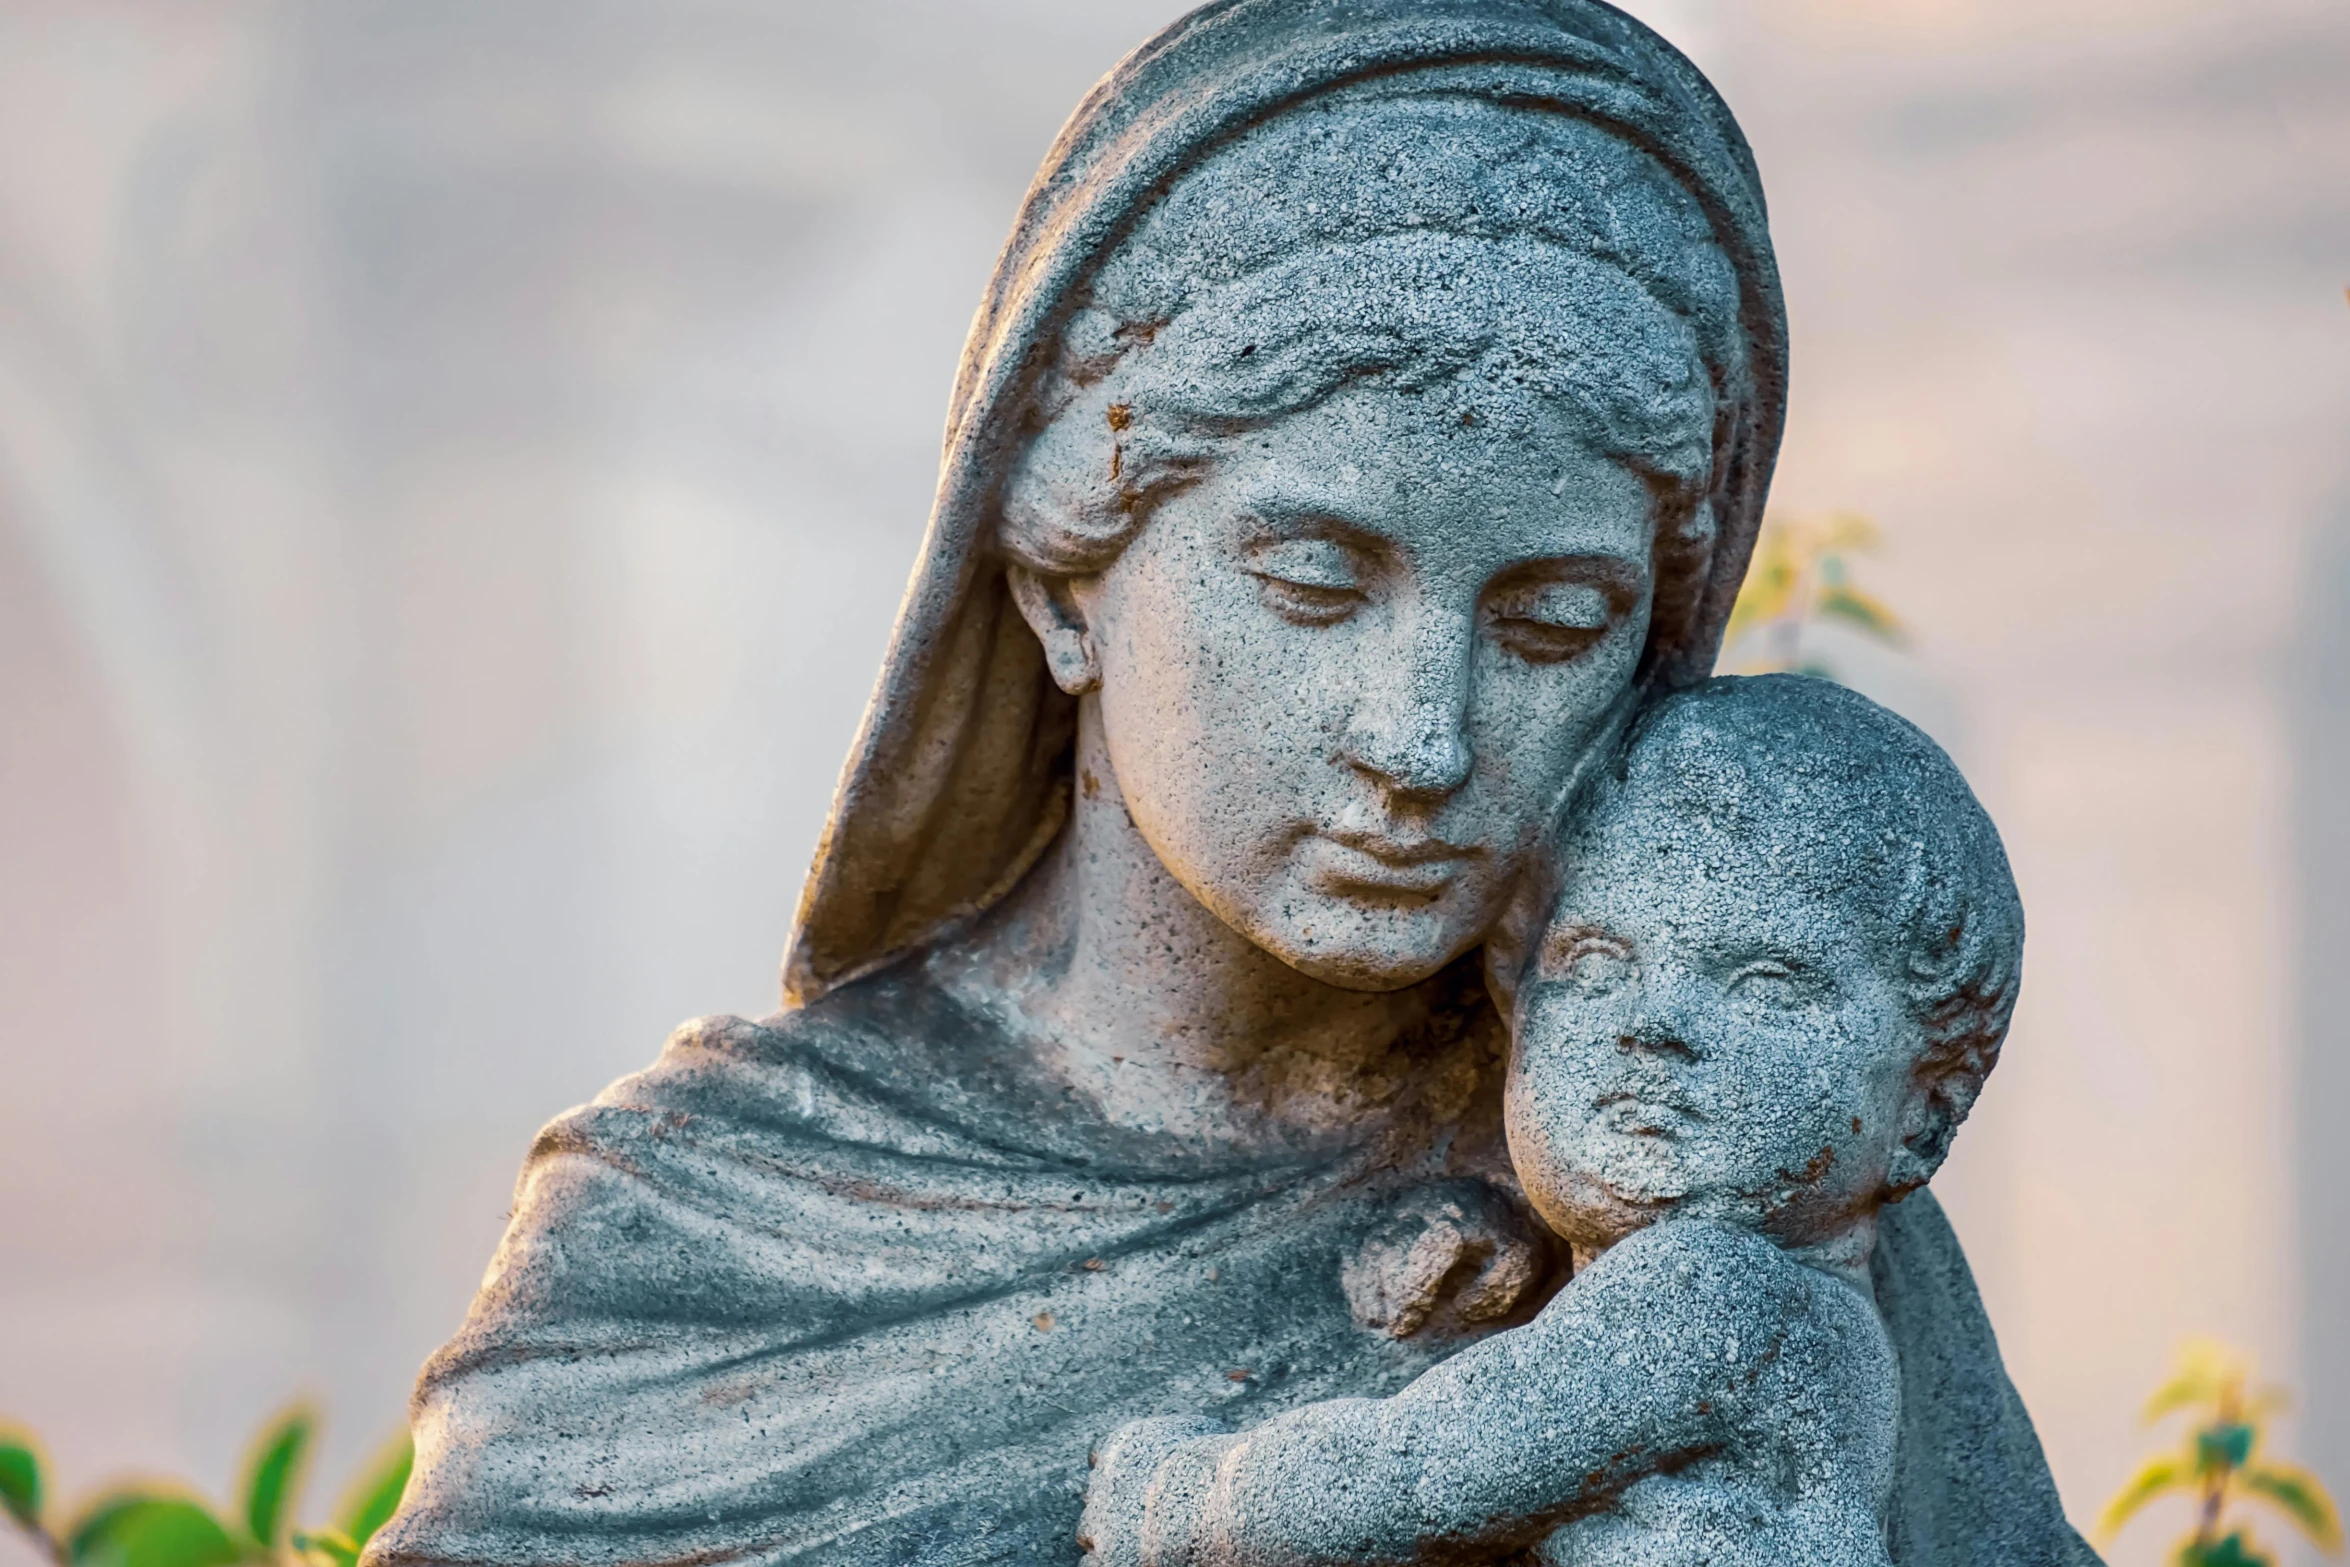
1416, 868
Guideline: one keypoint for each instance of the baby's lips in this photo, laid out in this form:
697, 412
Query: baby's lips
1648, 1116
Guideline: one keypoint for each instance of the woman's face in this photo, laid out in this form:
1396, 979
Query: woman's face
1346, 674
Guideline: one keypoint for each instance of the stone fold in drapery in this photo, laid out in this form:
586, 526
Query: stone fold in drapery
851, 1285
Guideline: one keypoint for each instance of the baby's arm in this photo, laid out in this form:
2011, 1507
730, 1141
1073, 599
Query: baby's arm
1637, 1367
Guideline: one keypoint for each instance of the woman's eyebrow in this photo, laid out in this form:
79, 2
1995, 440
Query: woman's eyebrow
1281, 518
1616, 575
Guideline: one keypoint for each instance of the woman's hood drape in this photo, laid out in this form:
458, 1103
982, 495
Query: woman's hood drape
954, 784
857, 1284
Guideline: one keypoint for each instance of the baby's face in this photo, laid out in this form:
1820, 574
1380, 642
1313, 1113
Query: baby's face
1708, 1028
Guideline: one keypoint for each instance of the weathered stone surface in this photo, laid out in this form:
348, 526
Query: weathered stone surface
1780, 968
1371, 415
1695, 1396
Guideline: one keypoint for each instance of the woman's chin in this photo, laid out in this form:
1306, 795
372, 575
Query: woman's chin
1363, 943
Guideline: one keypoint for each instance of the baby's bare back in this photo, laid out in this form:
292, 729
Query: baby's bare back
1805, 1475
1679, 1521
1696, 1396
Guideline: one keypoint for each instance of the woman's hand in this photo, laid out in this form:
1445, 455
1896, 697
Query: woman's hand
1459, 1247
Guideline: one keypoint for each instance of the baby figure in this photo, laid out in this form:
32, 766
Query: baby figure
1776, 969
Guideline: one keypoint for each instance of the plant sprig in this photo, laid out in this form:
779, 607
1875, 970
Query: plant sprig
1801, 575
164, 1524
2220, 1464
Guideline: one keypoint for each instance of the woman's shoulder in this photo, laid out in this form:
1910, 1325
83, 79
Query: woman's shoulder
866, 1066
893, 1024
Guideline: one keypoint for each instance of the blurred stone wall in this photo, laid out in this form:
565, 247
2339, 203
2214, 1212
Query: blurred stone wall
458, 464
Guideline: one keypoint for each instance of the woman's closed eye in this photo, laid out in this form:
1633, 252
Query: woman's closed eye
1316, 582
1550, 622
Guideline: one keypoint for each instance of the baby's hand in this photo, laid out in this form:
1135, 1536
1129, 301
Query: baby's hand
1460, 1240
1111, 1531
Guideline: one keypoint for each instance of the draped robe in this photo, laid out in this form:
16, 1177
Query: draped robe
854, 1284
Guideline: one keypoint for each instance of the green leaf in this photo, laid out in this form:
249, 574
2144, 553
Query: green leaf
97, 1516
2155, 1477
2208, 1373
1848, 530
144, 1529
2235, 1550
375, 1495
1855, 608
2299, 1495
2224, 1446
1765, 596
273, 1472
329, 1545
20, 1475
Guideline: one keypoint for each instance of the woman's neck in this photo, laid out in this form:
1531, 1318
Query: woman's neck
1138, 996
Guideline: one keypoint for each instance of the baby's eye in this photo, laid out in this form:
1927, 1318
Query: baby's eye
1597, 970
1550, 622
1771, 983
1316, 582
1589, 965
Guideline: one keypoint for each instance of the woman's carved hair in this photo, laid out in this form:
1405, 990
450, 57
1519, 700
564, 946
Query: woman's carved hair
1478, 255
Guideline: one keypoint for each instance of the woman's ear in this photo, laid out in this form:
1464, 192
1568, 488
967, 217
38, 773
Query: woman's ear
1050, 607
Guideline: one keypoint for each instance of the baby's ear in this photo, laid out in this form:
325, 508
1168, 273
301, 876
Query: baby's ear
1942, 1090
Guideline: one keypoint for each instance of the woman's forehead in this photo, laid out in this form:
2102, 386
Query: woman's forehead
1377, 467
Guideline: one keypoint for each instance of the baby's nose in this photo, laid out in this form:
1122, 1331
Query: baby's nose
1651, 1031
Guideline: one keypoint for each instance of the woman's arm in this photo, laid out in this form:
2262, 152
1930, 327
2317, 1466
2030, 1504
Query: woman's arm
1637, 1368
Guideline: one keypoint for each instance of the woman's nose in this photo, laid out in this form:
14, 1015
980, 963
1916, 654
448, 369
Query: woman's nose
1409, 728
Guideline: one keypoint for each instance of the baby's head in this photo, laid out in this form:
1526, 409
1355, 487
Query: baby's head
1780, 961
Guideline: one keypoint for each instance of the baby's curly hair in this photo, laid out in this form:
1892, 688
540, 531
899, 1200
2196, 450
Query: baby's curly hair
1855, 802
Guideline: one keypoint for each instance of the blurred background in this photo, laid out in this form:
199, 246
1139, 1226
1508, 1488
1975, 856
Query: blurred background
458, 464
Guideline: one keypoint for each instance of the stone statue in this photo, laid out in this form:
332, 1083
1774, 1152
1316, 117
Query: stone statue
1370, 417
1781, 968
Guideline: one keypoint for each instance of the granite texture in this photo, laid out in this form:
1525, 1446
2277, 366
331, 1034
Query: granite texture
1777, 968
1694, 1396
1369, 419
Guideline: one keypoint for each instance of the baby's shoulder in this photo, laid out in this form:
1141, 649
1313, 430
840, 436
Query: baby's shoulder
1796, 1359
1699, 1261
1698, 1282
